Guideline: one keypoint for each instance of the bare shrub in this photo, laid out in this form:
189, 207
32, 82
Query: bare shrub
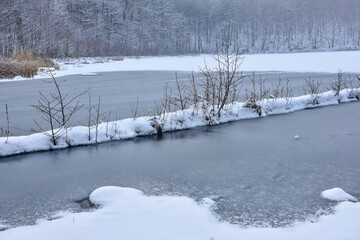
107, 123
256, 94
6, 131
338, 83
179, 97
312, 88
95, 117
116, 127
288, 93
194, 96
277, 89
282, 90
350, 82
135, 109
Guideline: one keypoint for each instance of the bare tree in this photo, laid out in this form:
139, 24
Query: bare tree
57, 109
225, 78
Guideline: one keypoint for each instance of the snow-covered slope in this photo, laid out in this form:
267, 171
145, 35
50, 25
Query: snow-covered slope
190, 118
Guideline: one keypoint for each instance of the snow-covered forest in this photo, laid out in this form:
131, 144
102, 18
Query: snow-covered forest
57, 28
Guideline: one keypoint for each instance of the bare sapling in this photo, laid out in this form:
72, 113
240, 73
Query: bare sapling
160, 116
48, 108
89, 119
195, 98
350, 82
116, 127
312, 87
337, 84
7, 131
257, 94
167, 98
57, 109
97, 117
277, 89
68, 106
135, 109
179, 99
288, 93
107, 124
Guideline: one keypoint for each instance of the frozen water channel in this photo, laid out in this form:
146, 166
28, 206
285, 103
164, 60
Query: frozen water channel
256, 170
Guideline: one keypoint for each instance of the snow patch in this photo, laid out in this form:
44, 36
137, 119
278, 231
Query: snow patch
337, 195
89, 74
126, 213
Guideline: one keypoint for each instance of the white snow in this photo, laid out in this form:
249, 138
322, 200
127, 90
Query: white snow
180, 120
2, 226
295, 62
89, 74
129, 214
337, 195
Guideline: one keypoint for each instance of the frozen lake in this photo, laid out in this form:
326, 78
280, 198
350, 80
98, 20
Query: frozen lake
255, 170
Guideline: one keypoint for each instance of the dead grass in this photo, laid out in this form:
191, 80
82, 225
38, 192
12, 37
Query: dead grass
23, 64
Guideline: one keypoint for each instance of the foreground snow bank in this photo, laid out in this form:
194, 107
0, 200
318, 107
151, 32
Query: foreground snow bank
337, 195
180, 120
289, 62
128, 214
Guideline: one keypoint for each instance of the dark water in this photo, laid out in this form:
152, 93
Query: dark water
255, 170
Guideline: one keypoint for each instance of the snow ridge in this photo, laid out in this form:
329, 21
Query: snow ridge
193, 117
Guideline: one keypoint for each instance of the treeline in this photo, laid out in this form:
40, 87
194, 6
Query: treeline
57, 28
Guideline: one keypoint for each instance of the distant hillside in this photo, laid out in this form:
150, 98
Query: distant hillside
57, 28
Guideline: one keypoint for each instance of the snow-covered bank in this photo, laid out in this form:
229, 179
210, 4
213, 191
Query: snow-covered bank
289, 62
126, 213
186, 119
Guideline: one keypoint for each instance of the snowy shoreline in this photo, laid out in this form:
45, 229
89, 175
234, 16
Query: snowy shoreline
329, 62
126, 213
173, 121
